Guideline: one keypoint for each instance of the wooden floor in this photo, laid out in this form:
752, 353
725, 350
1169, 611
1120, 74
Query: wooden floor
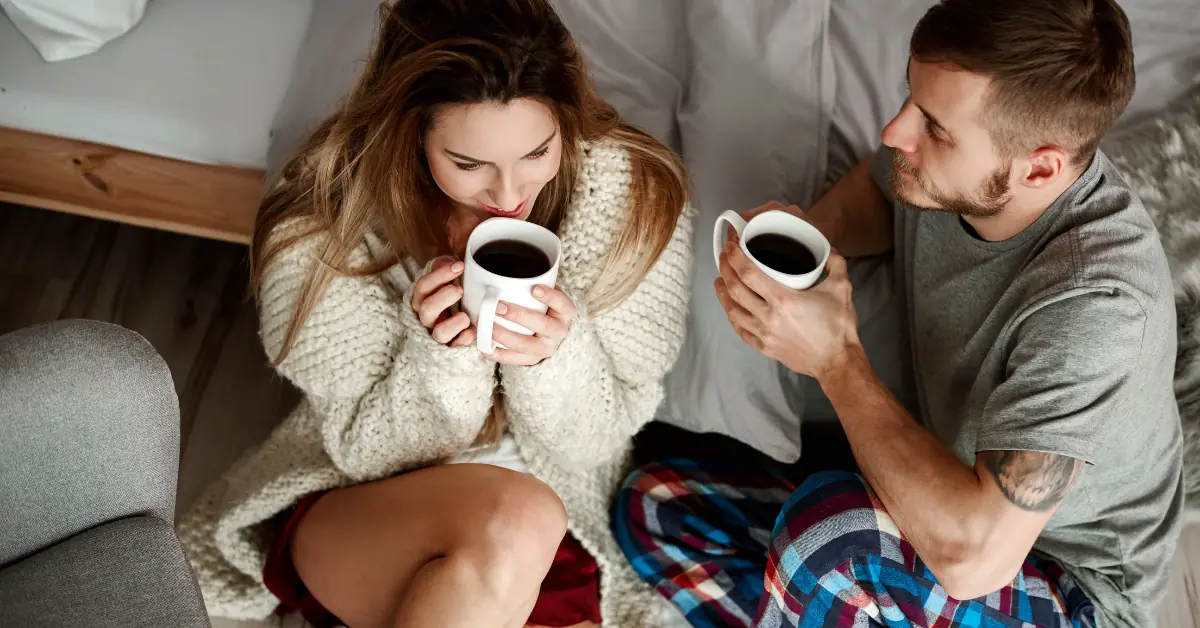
189, 298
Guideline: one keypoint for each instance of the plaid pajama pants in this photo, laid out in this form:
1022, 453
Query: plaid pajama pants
733, 546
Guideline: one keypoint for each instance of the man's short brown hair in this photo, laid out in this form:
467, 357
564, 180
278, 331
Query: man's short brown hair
1062, 70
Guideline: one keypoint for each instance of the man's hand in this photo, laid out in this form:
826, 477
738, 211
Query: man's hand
811, 331
768, 206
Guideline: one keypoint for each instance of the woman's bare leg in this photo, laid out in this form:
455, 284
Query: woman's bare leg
453, 545
518, 620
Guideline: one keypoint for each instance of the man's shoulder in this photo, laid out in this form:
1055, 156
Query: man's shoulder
1105, 239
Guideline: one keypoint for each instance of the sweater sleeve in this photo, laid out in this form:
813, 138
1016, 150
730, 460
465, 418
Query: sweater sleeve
389, 396
605, 382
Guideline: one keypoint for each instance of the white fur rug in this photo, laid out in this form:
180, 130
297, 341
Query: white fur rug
1160, 158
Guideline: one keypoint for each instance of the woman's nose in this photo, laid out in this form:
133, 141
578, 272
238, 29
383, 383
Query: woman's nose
506, 194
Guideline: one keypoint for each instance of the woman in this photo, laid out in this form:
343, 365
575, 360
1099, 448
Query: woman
349, 512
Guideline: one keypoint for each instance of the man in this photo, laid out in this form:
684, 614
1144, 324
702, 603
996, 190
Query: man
1041, 482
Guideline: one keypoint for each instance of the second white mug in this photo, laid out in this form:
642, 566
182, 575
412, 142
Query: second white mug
778, 223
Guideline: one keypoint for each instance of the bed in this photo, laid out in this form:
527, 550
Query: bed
167, 126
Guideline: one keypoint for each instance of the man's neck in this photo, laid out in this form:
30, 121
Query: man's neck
1022, 212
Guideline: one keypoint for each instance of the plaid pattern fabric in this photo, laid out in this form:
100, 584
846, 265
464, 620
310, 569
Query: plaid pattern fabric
833, 556
700, 535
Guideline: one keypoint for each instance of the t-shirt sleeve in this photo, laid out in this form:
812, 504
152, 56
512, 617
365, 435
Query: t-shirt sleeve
1067, 376
881, 171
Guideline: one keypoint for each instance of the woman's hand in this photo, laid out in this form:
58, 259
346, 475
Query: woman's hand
433, 297
548, 329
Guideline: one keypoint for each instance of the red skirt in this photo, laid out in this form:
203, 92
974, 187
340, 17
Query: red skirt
570, 593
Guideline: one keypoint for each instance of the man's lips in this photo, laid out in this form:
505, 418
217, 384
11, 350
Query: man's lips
512, 213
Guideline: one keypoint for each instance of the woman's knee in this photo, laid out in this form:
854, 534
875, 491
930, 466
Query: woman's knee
516, 534
493, 528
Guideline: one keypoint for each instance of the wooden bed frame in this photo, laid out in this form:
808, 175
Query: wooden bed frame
117, 184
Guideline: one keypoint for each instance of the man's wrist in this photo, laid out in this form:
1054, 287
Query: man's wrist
847, 371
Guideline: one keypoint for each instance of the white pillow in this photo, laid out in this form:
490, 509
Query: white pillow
65, 30
637, 56
869, 48
753, 127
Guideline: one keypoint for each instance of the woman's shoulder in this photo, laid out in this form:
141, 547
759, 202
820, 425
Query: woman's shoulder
600, 202
298, 243
604, 159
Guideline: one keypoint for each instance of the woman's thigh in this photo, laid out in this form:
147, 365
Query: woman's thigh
358, 547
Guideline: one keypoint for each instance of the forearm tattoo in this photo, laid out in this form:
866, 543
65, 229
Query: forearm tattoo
1032, 480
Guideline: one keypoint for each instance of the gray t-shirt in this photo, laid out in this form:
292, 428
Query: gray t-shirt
1060, 339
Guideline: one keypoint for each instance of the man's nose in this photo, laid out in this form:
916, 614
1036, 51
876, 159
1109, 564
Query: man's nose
904, 129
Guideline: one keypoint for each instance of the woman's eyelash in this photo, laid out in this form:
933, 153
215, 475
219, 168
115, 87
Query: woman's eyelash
473, 167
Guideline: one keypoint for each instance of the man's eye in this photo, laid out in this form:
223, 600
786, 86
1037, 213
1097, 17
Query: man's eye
931, 130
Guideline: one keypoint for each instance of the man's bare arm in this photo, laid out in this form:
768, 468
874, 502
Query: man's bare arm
854, 214
1031, 480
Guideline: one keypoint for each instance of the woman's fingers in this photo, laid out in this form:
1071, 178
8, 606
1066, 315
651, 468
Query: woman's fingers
520, 343
443, 271
431, 309
513, 358
561, 306
465, 338
541, 324
450, 329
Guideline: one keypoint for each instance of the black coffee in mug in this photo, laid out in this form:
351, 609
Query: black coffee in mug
512, 258
782, 254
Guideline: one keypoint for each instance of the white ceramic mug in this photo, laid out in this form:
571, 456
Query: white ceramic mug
483, 290
781, 223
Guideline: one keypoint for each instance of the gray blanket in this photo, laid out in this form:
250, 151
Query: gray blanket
1160, 158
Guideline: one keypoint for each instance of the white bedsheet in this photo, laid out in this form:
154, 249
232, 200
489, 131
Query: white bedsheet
199, 81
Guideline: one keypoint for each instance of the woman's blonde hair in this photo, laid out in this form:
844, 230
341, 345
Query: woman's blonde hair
364, 168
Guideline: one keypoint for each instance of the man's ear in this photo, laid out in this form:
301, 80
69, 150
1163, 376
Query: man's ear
1046, 165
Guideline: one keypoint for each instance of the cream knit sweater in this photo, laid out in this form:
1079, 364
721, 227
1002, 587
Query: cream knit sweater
382, 397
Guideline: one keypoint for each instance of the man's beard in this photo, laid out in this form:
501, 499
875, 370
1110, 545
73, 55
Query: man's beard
992, 196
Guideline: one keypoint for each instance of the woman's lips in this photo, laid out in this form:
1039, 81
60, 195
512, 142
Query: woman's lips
496, 211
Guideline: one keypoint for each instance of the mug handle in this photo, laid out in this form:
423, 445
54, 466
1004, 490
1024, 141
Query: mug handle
735, 221
487, 319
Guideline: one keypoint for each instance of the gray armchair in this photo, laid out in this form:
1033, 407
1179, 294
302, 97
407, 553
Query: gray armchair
89, 450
